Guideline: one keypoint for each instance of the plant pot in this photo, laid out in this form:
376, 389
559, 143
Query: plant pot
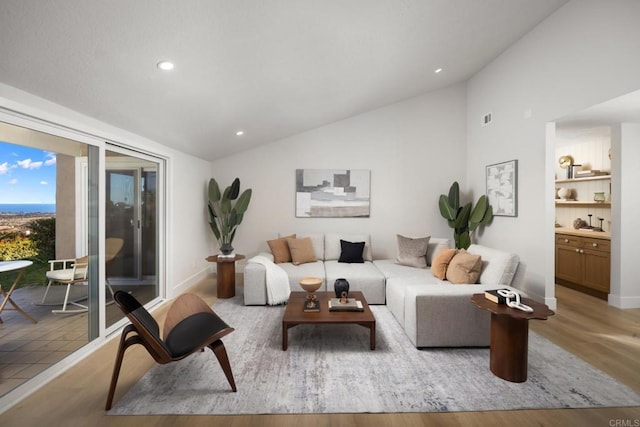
226, 249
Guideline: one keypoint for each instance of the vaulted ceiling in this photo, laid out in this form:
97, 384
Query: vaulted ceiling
272, 68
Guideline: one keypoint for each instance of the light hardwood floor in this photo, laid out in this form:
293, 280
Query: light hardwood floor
604, 336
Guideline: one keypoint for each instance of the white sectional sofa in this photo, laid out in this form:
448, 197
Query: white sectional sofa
433, 312
363, 277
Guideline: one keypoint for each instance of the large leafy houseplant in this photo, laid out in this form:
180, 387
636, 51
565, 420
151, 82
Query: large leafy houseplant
226, 211
464, 219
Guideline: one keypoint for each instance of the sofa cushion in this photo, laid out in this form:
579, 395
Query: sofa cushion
301, 251
441, 262
280, 249
434, 246
298, 272
464, 268
390, 268
332, 248
363, 277
412, 252
498, 267
351, 252
317, 240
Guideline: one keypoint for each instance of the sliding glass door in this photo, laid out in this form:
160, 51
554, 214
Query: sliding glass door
131, 215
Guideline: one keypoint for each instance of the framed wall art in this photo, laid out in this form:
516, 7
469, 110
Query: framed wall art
502, 188
332, 193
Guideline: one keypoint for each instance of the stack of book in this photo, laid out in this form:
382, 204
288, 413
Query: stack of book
351, 304
494, 296
590, 172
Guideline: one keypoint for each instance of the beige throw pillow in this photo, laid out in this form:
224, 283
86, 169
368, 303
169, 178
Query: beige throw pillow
464, 268
301, 250
412, 252
441, 261
280, 249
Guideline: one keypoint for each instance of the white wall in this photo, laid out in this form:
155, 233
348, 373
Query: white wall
414, 149
625, 270
584, 54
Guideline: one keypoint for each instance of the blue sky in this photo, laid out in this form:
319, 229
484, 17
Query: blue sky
27, 175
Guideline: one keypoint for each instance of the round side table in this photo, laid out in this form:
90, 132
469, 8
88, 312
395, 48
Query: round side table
225, 274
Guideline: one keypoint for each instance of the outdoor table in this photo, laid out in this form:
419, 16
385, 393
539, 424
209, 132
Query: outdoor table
11, 266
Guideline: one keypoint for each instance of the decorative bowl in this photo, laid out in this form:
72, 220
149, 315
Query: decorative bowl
311, 284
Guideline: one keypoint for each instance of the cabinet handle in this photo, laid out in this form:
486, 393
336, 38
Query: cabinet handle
595, 245
581, 251
566, 240
577, 250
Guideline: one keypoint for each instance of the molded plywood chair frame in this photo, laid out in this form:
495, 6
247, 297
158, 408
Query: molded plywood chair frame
190, 326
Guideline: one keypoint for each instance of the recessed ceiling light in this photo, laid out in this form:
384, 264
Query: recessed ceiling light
437, 70
240, 133
165, 65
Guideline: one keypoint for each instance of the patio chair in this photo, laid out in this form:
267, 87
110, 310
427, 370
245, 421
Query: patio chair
73, 271
69, 272
190, 326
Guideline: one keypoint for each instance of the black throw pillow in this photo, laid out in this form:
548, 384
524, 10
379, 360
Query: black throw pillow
351, 252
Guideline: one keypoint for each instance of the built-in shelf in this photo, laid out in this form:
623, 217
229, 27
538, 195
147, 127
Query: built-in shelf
588, 178
582, 203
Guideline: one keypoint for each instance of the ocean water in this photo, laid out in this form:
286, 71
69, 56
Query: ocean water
25, 208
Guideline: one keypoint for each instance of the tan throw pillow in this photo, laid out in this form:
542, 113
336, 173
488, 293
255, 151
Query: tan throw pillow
441, 261
464, 268
280, 249
301, 250
412, 252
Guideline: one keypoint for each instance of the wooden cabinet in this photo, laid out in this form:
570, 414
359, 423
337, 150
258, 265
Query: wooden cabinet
584, 263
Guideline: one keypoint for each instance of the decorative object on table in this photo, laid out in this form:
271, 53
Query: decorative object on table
579, 223
341, 286
463, 219
565, 193
348, 304
332, 193
226, 211
599, 197
493, 295
565, 163
311, 284
502, 188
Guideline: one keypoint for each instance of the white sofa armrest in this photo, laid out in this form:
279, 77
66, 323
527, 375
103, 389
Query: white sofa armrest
255, 281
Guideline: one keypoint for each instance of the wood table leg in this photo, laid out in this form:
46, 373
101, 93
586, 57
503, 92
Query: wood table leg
226, 279
373, 336
509, 347
285, 336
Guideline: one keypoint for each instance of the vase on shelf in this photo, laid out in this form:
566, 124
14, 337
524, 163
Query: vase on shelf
564, 193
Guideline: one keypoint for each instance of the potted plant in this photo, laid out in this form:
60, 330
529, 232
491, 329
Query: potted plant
464, 219
226, 211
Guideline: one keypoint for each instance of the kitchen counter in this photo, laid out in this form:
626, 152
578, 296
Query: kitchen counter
584, 233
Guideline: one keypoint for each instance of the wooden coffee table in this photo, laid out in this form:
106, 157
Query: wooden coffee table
294, 315
510, 336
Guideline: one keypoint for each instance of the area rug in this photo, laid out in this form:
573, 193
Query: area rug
330, 369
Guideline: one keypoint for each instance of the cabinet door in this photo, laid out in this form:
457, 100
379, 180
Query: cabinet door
597, 269
568, 263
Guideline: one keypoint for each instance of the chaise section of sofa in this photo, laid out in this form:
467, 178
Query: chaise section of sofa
437, 313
